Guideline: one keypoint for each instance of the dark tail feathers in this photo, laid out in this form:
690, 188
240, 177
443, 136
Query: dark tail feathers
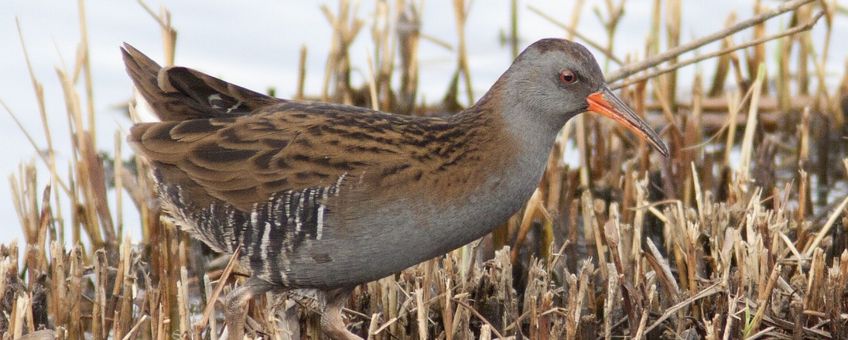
179, 93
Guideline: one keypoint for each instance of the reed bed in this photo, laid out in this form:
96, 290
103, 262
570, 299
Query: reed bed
741, 233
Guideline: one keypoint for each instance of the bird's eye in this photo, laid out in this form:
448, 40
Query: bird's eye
567, 77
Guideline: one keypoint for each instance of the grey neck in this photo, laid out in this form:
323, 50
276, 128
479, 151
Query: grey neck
533, 131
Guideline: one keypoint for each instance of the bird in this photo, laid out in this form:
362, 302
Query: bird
321, 196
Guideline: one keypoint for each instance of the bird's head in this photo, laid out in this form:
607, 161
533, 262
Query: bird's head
556, 79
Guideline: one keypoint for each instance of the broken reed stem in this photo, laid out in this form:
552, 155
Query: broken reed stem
655, 60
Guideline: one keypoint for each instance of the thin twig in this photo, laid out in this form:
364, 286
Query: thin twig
687, 62
131, 333
34, 144
577, 34
826, 229
479, 316
153, 14
210, 304
655, 60
709, 291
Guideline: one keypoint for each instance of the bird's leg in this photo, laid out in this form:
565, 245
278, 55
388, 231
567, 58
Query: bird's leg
237, 303
290, 320
331, 315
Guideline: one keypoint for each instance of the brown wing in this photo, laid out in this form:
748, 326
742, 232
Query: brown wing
220, 141
244, 160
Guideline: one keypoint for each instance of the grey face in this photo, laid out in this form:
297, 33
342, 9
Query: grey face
555, 79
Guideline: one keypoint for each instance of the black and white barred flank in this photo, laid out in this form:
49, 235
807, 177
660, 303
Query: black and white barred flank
266, 234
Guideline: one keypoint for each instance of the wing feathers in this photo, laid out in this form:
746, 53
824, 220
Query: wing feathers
220, 142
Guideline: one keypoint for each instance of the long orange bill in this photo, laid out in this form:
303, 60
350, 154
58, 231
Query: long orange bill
608, 104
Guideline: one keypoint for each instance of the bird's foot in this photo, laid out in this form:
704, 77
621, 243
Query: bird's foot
236, 306
332, 323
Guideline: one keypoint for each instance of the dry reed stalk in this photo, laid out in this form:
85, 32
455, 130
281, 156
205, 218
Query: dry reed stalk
592, 227
583, 148
447, 309
715, 109
783, 80
392, 306
182, 304
86, 68
127, 281
210, 306
461, 12
372, 84
513, 29
704, 293
301, 73
535, 210
213, 322
750, 128
486, 332
38, 88
479, 316
838, 277
552, 180
132, 333
98, 305
610, 303
372, 326
408, 36
723, 62
21, 308
345, 29
663, 270
757, 56
762, 300
672, 30
643, 321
